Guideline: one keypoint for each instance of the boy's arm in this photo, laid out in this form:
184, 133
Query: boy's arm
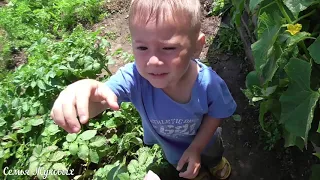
205, 133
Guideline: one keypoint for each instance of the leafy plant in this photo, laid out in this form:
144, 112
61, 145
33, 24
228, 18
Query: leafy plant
285, 82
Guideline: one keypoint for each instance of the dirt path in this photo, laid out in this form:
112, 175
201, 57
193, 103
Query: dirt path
243, 147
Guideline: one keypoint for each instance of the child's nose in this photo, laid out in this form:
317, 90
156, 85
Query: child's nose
154, 60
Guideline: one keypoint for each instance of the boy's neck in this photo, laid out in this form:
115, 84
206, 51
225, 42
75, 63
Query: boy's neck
186, 80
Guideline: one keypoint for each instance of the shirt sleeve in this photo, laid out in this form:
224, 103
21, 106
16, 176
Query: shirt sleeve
220, 101
124, 82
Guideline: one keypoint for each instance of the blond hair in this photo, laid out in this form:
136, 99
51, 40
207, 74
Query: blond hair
184, 13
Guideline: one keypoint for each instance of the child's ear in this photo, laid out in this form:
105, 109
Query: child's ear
199, 45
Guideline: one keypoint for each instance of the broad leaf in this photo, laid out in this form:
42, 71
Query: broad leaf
98, 141
33, 166
35, 122
49, 149
73, 148
83, 152
297, 38
298, 102
296, 6
318, 128
315, 172
271, 66
59, 166
292, 140
314, 50
57, 156
41, 84
71, 137
253, 4
87, 135
94, 157
261, 47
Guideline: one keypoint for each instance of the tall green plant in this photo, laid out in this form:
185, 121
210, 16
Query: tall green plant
286, 78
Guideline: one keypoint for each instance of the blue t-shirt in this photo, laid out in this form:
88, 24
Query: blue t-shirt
165, 122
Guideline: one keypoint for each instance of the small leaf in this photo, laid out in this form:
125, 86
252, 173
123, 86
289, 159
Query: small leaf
71, 137
83, 152
41, 84
37, 151
87, 135
59, 166
236, 117
35, 122
49, 149
94, 157
143, 158
314, 50
18, 124
57, 156
98, 141
73, 148
33, 166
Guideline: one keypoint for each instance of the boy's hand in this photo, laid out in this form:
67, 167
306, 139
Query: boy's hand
85, 99
193, 158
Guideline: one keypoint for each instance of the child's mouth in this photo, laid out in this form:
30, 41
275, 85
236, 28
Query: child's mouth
158, 75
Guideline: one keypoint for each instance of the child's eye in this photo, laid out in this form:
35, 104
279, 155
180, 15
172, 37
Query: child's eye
142, 48
169, 48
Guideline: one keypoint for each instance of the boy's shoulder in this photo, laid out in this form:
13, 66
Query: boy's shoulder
207, 77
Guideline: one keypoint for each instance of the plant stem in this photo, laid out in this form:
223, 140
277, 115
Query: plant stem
283, 11
304, 16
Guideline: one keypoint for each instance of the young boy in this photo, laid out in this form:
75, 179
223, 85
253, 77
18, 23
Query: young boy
181, 101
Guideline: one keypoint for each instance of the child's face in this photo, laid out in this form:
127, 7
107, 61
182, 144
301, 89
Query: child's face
162, 53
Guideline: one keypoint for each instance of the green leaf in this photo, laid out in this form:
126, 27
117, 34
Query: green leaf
59, 166
83, 152
88, 134
37, 151
253, 4
299, 101
35, 122
296, 6
314, 50
123, 176
71, 137
292, 140
49, 149
315, 172
25, 129
98, 141
236, 117
300, 36
261, 47
41, 84
57, 156
271, 66
33, 167
318, 128
19, 124
94, 157
253, 79
73, 148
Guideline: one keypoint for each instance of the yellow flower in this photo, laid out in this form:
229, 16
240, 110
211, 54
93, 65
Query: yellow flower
294, 29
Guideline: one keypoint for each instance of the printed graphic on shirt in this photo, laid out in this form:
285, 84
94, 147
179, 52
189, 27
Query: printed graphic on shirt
175, 128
